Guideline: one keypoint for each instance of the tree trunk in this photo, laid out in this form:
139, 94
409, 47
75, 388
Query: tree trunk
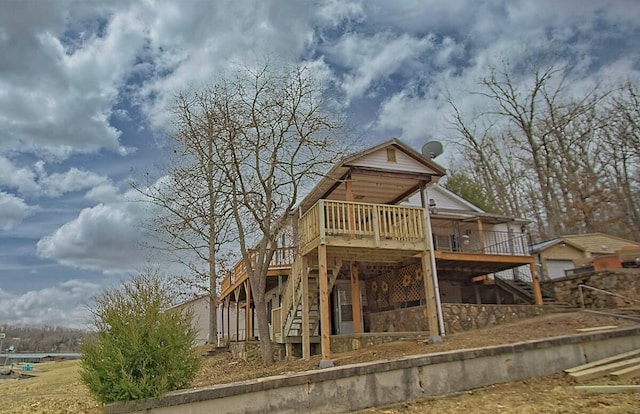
266, 350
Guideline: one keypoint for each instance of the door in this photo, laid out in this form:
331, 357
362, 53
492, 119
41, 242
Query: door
343, 307
556, 268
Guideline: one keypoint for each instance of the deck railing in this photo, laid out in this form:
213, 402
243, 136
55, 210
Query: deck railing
481, 241
362, 220
282, 258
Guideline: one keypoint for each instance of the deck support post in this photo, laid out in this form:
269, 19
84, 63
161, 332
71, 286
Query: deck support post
535, 283
476, 291
429, 295
435, 320
325, 326
306, 340
355, 299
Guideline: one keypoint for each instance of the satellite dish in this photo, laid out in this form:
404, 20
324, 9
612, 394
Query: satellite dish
432, 149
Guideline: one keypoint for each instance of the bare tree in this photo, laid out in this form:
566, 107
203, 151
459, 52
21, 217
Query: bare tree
274, 135
193, 222
550, 153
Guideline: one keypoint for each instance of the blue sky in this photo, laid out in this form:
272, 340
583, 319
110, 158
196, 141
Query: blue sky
86, 89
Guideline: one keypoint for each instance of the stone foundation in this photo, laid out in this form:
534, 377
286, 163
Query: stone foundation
624, 282
353, 342
250, 350
457, 317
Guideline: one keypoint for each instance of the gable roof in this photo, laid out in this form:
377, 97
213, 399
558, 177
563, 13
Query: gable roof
375, 179
451, 206
594, 243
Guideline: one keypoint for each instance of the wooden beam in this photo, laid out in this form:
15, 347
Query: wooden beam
603, 361
607, 389
597, 328
355, 299
479, 257
626, 373
429, 295
325, 326
601, 371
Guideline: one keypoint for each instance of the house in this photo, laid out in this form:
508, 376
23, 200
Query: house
375, 237
571, 251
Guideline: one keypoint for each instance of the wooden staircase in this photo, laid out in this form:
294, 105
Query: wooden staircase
291, 306
522, 290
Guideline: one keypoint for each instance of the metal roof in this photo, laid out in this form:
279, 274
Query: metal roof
594, 243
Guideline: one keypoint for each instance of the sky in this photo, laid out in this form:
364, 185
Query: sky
86, 90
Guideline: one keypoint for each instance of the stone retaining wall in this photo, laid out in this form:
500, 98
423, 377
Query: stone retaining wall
373, 384
457, 317
625, 282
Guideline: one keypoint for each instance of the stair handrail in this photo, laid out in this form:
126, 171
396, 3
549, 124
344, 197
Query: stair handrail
582, 286
288, 298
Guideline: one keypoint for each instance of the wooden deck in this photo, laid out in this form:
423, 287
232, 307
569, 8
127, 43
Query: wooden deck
364, 232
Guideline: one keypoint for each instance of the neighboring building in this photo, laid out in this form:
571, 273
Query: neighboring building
568, 252
199, 308
378, 235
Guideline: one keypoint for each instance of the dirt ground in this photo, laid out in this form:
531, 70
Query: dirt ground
222, 368
56, 387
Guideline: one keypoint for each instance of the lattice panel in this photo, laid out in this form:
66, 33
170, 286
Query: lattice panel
408, 284
397, 287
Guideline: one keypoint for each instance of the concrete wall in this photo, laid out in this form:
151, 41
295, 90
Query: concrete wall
358, 386
625, 282
457, 317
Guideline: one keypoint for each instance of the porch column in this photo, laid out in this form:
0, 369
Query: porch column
481, 235
306, 340
220, 328
236, 293
325, 327
537, 293
349, 197
247, 311
355, 299
228, 303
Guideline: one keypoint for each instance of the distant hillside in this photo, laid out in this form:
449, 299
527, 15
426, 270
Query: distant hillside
41, 339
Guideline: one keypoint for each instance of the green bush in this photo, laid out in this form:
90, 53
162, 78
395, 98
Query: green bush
138, 349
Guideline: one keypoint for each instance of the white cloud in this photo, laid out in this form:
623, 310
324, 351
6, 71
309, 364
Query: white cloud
36, 181
55, 100
12, 210
376, 58
74, 179
106, 237
64, 304
13, 176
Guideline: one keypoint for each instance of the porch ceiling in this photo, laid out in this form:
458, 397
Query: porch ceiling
466, 268
377, 187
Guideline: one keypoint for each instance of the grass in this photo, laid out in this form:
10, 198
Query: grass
55, 388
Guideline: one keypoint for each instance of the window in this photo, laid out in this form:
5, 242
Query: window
391, 155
